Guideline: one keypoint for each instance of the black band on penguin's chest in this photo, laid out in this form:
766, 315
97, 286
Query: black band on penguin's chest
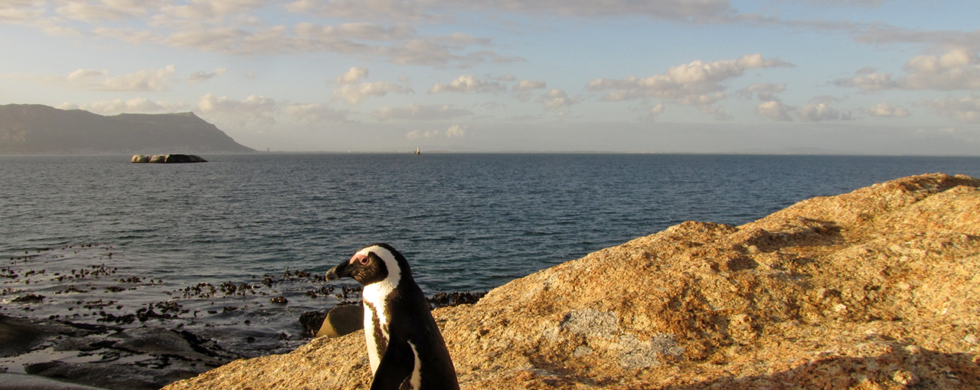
379, 334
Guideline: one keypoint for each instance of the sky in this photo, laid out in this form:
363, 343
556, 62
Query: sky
895, 77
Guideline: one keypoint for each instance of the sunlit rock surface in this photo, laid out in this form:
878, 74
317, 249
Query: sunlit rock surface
877, 288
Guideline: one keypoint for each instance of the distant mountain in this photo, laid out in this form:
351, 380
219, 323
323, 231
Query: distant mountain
37, 129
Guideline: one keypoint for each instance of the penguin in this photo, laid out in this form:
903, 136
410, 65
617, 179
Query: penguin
405, 347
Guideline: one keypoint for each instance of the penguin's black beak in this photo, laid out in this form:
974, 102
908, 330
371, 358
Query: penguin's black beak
340, 271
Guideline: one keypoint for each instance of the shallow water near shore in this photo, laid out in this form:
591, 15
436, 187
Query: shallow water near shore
205, 247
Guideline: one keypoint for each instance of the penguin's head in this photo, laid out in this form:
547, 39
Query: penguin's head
373, 264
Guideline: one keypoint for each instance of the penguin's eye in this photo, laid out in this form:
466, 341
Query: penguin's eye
364, 260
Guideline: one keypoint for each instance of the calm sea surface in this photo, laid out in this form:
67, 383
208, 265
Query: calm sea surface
145, 233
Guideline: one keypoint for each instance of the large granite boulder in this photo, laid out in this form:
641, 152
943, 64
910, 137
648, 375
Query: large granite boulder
877, 288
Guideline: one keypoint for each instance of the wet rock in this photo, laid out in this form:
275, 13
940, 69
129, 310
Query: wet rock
18, 336
455, 298
29, 298
183, 158
108, 357
167, 158
34, 382
109, 376
311, 322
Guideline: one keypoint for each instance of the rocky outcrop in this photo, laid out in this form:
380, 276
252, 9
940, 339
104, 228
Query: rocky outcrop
878, 288
167, 158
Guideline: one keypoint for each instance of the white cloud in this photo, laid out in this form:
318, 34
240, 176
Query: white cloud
418, 52
353, 94
314, 113
119, 106
702, 100
144, 80
467, 83
706, 104
955, 70
861, 3
764, 91
885, 110
201, 76
557, 98
527, 85
652, 114
444, 10
358, 10
866, 70
657, 110
685, 82
96, 12
349, 31
250, 27
127, 35
869, 81
210, 9
421, 112
353, 76
254, 110
456, 131
966, 109
418, 134
820, 112
20, 11
775, 110
715, 111
507, 78
523, 89
465, 39
881, 34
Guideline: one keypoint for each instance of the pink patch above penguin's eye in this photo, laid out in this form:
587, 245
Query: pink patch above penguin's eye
363, 259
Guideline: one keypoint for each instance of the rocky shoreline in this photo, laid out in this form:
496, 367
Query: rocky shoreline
57, 353
106, 356
877, 288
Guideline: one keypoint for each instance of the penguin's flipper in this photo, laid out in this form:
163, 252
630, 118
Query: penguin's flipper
396, 365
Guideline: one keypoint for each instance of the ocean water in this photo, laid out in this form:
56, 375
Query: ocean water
101, 238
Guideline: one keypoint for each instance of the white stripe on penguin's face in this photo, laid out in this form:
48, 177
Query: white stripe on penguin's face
376, 292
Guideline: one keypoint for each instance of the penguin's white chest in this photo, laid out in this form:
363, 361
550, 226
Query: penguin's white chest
376, 320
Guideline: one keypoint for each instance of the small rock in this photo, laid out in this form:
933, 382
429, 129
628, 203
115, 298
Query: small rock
342, 320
